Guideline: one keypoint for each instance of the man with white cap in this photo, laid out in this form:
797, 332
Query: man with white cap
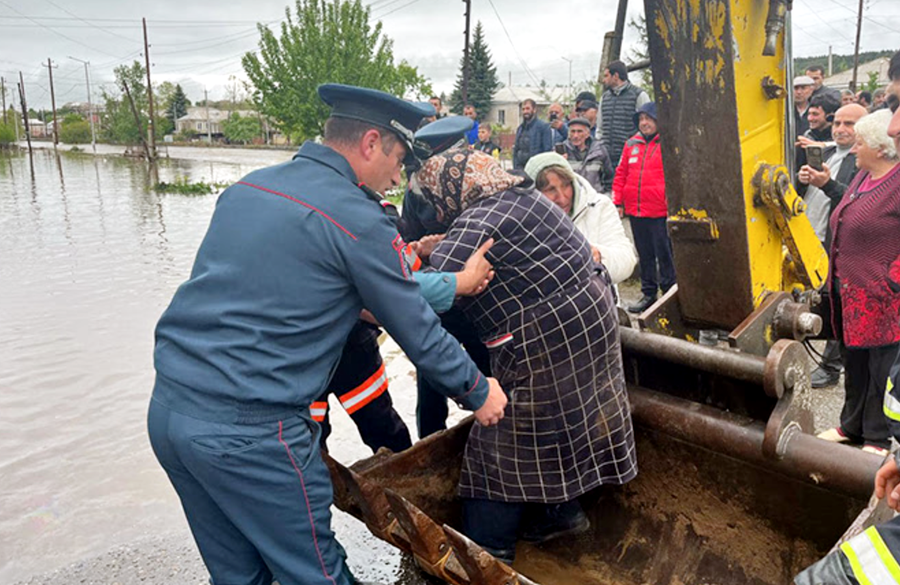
803, 88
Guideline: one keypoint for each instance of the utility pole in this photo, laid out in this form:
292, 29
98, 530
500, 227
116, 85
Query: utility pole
152, 129
3, 94
12, 104
137, 120
87, 80
25, 112
208, 121
465, 79
856, 51
50, 67
830, 62
570, 73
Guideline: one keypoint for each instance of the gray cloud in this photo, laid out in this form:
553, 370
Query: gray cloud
191, 43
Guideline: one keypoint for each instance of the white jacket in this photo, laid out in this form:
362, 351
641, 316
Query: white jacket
598, 219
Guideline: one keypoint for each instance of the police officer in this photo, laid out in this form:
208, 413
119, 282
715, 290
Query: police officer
419, 220
292, 255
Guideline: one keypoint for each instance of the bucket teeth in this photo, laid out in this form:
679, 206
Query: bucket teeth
425, 536
480, 566
374, 508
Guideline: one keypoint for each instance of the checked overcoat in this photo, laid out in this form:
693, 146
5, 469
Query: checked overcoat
550, 324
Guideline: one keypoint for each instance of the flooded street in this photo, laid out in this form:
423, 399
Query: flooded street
89, 258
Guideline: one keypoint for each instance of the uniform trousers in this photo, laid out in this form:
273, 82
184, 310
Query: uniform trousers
361, 384
257, 497
654, 254
865, 375
431, 408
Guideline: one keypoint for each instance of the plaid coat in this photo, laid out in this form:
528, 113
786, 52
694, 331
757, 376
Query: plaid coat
550, 325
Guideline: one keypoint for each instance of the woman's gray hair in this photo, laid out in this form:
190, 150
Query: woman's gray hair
872, 130
565, 173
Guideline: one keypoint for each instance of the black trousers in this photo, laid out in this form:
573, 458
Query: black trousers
360, 383
431, 409
865, 379
831, 356
654, 253
496, 525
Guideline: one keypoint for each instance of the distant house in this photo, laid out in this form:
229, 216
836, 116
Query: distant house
202, 121
505, 107
83, 109
37, 128
879, 66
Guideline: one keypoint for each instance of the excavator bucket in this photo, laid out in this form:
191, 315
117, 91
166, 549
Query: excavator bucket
711, 503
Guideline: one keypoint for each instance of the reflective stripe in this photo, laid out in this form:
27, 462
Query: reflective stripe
366, 392
891, 404
498, 341
318, 410
871, 561
412, 258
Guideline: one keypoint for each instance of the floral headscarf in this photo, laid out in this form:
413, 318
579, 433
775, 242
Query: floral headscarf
455, 179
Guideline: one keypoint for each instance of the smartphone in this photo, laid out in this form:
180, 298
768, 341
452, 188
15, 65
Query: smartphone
814, 157
560, 148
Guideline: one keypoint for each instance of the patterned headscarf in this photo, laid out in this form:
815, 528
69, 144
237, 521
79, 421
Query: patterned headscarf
455, 179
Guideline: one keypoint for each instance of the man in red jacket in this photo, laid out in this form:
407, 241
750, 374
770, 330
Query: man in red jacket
639, 191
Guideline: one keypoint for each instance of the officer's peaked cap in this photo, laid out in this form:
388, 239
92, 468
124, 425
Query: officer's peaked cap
444, 133
378, 108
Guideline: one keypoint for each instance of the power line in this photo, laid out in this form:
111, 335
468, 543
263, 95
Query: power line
401, 7
75, 16
68, 38
513, 45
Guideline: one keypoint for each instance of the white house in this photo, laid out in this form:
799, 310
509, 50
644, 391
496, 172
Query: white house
842, 80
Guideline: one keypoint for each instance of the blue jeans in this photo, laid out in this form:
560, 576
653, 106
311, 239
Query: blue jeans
257, 497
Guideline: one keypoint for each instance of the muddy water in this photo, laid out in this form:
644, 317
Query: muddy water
89, 258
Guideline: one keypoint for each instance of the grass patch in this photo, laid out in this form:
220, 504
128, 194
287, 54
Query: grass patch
183, 186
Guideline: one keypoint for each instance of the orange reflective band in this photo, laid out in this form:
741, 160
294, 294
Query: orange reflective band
366, 392
318, 410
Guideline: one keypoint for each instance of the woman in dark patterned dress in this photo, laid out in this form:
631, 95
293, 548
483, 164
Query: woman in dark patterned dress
549, 321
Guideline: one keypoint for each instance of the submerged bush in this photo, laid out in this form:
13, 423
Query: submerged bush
183, 186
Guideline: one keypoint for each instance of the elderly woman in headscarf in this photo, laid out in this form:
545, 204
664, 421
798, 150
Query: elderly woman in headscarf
550, 324
592, 213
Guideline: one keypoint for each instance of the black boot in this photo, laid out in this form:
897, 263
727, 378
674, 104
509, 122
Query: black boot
557, 520
643, 304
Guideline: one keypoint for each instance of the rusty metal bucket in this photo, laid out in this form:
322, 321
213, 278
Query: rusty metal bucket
710, 505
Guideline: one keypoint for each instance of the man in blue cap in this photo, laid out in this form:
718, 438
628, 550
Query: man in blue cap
292, 255
418, 222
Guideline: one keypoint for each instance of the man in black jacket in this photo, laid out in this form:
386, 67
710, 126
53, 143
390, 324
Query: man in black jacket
822, 191
819, 115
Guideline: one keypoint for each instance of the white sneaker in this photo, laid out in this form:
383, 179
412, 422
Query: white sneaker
880, 451
834, 435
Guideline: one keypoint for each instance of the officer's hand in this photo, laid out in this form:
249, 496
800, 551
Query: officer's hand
424, 246
477, 273
887, 481
491, 411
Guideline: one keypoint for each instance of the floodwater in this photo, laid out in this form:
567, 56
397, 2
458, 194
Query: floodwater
90, 256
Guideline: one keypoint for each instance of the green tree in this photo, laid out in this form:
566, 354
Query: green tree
241, 129
326, 41
483, 80
177, 105
7, 134
641, 52
118, 124
75, 130
871, 84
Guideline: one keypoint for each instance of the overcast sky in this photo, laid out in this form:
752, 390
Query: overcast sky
198, 43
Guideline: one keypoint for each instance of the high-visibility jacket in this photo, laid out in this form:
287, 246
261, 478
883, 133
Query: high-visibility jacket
873, 557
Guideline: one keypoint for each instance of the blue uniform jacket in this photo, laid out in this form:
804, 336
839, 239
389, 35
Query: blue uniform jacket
293, 252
